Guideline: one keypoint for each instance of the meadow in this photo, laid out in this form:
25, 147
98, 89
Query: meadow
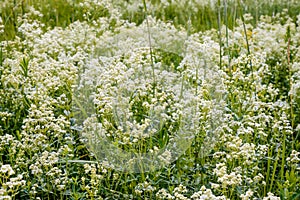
150, 99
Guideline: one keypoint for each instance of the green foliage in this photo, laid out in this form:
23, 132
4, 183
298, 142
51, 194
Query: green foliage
257, 150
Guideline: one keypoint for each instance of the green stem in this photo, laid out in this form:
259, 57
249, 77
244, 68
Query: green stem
268, 169
227, 37
246, 36
283, 157
291, 84
248, 50
150, 44
220, 35
182, 83
274, 170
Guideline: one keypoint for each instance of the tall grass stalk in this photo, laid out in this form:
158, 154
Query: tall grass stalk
283, 162
220, 33
150, 44
227, 36
274, 170
248, 48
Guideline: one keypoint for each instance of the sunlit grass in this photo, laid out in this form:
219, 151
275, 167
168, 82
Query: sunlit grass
244, 52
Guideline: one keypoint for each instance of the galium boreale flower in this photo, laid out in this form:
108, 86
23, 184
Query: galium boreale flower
271, 196
7, 170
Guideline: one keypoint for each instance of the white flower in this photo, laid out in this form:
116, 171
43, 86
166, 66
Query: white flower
7, 169
166, 156
271, 196
247, 196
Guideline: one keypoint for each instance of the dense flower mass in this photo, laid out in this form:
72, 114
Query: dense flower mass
195, 105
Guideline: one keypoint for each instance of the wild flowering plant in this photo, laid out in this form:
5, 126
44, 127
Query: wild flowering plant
142, 99
203, 106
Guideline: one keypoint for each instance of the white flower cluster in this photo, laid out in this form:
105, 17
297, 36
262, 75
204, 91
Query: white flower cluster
271, 196
6, 170
9, 184
206, 194
227, 180
164, 194
1, 26
294, 158
144, 187
151, 84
